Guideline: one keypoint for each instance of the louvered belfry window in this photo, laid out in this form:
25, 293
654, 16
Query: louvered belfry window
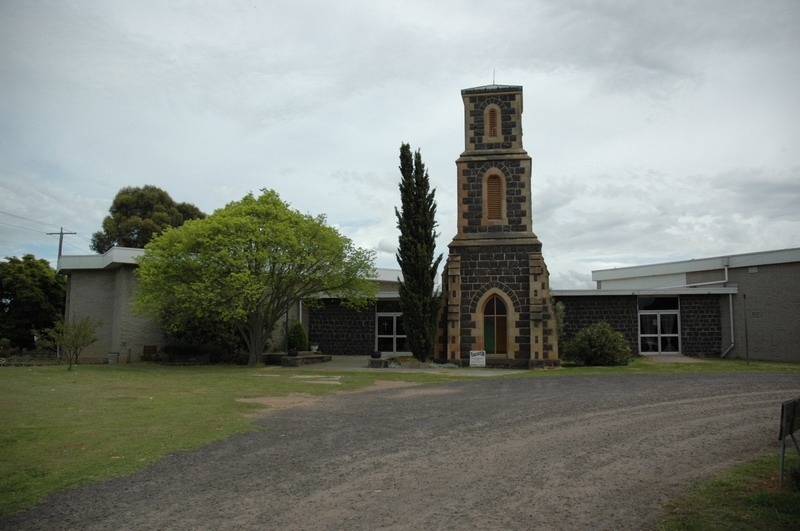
494, 197
492, 123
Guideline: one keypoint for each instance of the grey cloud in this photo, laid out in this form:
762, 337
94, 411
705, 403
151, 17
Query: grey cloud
656, 129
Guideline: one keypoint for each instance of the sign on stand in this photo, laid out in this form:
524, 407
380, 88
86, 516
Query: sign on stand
790, 423
477, 358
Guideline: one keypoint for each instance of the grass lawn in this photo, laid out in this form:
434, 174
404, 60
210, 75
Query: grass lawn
64, 428
745, 498
644, 365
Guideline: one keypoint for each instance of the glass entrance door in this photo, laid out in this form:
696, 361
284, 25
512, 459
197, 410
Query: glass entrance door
391, 335
659, 332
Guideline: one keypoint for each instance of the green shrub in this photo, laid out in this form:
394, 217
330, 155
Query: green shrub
297, 337
598, 344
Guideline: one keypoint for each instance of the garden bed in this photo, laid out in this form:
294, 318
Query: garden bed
304, 358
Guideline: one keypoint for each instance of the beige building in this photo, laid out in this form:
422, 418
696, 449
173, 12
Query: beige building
102, 286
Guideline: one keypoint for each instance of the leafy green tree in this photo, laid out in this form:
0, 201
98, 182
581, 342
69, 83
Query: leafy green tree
137, 214
72, 336
32, 296
415, 254
246, 264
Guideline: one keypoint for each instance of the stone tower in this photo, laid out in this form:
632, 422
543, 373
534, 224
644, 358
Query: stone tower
495, 282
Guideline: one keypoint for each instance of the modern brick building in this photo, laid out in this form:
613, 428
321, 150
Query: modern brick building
744, 305
737, 306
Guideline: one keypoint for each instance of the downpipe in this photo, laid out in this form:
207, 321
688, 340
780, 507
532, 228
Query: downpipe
730, 307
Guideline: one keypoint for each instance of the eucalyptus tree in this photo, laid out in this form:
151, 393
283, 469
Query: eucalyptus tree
137, 214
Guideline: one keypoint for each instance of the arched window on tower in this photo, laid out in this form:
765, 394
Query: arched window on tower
495, 326
494, 198
492, 129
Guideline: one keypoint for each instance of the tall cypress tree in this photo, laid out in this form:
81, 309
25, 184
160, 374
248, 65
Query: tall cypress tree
415, 254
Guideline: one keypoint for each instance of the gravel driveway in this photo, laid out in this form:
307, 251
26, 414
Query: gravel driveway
567, 452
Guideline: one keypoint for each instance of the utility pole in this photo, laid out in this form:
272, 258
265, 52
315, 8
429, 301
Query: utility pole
61, 234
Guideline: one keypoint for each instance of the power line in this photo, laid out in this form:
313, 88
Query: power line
79, 235
82, 249
61, 231
47, 233
28, 219
21, 227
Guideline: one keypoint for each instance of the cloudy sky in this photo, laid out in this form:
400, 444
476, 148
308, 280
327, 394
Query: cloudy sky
659, 131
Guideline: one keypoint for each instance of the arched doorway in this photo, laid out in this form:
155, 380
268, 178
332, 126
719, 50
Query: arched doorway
495, 326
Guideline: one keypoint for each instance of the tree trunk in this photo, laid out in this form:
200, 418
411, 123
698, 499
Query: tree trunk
256, 341
256, 348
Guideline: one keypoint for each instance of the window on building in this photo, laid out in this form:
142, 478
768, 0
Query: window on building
495, 326
494, 198
492, 125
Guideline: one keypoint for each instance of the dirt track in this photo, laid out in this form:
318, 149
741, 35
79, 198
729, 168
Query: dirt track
568, 452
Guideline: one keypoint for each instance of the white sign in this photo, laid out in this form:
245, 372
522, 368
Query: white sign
477, 358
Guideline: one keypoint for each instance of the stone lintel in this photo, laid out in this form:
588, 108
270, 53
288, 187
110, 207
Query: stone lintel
493, 154
495, 239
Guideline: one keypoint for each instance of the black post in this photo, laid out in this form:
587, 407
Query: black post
746, 341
